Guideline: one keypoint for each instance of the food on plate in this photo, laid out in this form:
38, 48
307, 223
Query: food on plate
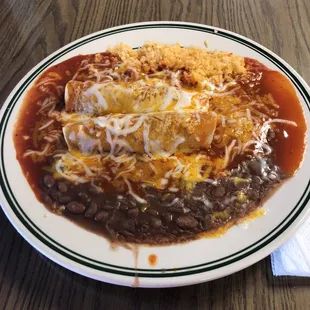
161, 144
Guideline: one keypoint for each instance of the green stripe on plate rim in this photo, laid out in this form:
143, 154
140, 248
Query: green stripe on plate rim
126, 271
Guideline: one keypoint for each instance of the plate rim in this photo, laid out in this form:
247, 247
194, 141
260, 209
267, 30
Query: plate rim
294, 221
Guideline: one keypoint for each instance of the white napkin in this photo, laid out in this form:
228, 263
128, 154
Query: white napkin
293, 258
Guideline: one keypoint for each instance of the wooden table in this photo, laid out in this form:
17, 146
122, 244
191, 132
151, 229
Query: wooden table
31, 30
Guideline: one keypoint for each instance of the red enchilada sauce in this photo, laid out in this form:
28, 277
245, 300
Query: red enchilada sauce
125, 219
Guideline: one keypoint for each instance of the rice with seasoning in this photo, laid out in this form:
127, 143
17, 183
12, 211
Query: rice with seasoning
216, 66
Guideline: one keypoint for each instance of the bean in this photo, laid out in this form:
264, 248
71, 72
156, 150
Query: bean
197, 216
127, 233
273, 176
186, 222
235, 172
101, 216
230, 186
107, 207
253, 194
64, 199
144, 227
75, 207
179, 204
155, 222
62, 187
133, 212
116, 204
152, 212
219, 191
130, 206
48, 181
168, 217
255, 167
123, 207
93, 190
218, 206
153, 201
241, 184
257, 180
129, 225
132, 201
202, 186
194, 205
47, 199
256, 186
175, 231
207, 222
54, 194
83, 196
92, 210
175, 210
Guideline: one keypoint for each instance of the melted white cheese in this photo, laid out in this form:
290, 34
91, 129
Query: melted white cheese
94, 90
183, 99
121, 126
146, 132
178, 140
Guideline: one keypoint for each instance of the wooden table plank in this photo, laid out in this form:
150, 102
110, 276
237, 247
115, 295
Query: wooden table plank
31, 30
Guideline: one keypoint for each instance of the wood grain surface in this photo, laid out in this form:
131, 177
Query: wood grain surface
29, 31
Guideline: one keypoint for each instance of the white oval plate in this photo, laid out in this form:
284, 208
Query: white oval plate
183, 264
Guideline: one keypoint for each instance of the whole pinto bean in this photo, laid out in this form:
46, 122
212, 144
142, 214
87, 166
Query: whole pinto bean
219, 191
48, 181
134, 212
167, 217
64, 199
152, 212
92, 210
62, 187
186, 222
101, 216
84, 197
155, 222
129, 225
75, 207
